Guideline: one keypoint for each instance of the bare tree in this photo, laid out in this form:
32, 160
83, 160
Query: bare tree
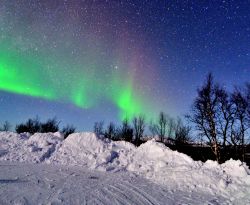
248, 100
225, 116
139, 127
204, 114
51, 125
171, 124
6, 126
241, 124
32, 126
160, 127
98, 128
110, 131
182, 132
126, 132
67, 130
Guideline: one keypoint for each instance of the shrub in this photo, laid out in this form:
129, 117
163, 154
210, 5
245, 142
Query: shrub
52, 125
69, 129
32, 126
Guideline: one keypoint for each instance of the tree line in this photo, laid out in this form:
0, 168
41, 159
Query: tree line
165, 128
35, 125
222, 117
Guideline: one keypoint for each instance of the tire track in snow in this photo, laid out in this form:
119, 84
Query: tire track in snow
46, 184
54, 195
118, 197
128, 194
139, 192
136, 195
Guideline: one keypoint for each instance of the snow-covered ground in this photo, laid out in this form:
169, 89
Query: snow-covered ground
86, 169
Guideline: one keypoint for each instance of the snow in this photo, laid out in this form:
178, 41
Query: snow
94, 152
23, 184
35, 148
179, 178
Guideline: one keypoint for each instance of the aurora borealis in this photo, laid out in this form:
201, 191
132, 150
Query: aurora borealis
26, 75
86, 61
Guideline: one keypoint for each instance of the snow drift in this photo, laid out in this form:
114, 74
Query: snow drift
152, 160
29, 148
100, 153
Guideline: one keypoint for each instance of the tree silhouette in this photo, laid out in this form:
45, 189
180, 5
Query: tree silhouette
32, 126
160, 127
67, 130
241, 124
110, 131
204, 114
182, 132
51, 125
225, 116
98, 128
5, 127
139, 127
126, 132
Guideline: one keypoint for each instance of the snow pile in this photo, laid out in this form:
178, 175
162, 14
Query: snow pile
29, 148
156, 157
96, 152
157, 162
87, 149
236, 168
10, 144
152, 160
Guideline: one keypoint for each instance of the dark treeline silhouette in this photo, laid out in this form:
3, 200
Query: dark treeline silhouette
67, 130
223, 118
165, 129
51, 125
139, 128
34, 125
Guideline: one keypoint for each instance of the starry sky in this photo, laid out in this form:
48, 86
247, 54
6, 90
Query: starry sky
92, 60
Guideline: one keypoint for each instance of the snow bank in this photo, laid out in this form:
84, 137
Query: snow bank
152, 160
157, 162
154, 157
95, 152
29, 148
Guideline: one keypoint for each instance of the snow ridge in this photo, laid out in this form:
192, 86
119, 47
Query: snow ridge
151, 160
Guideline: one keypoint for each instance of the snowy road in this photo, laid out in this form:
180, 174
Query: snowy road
45, 184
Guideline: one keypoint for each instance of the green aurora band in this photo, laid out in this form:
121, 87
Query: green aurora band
26, 74
41, 57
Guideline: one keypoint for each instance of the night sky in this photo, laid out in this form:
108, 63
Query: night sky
86, 61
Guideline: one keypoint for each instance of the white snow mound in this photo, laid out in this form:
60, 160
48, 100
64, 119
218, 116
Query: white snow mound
152, 160
95, 152
155, 156
23, 147
157, 162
